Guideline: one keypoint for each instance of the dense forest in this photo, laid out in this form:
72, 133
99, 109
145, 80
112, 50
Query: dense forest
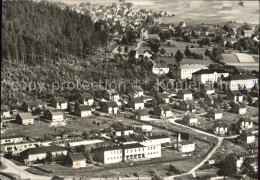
33, 32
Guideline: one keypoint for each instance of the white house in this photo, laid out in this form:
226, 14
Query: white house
248, 137
77, 160
185, 71
136, 103
215, 114
245, 123
5, 111
110, 107
163, 110
190, 119
54, 115
86, 99
239, 109
186, 146
184, 94
83, 110
24, 119
136, 91
59, 103
160, 69
111, 95
220, 128
142, 115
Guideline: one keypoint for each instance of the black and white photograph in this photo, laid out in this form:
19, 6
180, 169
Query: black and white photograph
129, 89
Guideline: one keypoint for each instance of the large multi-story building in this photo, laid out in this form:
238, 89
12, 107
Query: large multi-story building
240, 81
185, 71
206, 76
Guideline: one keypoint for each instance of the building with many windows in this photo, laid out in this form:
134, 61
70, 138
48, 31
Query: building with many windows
185, 71
240, 82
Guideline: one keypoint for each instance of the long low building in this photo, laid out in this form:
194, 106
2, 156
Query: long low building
16, 148
240, 81
127, 152
185, 71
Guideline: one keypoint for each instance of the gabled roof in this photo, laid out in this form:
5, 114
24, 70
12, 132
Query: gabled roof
190, 116
245, 120
55, 111
164, 107
4, 108
112, 92
32, 103
162, 96
84, 108
216, 111
45, 149
185, 91
111, 103
59, 99
188, 102
236, 93
143, 112
203, 71
220, 124
25, 115
137, 100
109, 148
131, 146
77, 157
86, 96
137, 88
160, 65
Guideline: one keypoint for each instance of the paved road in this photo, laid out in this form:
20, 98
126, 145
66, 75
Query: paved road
213, 150
20, 171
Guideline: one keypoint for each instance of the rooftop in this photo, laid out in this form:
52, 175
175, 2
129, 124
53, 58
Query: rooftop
84, 108
192, 66
25, 115
77, 157
137, 100
45, 149
131, 146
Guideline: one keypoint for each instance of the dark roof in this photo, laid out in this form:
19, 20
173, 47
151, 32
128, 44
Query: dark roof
137, 88
137, 100
77, 157
32, 103
236, 93
160, 65
186, 142
220, 71
191, 116
240, 106
84, 108
15, 136
239, 77
86, 96
245, 119
109, 148
203, 71
216, 111
55, 111
111, 103
25, 115
112, 92
45, 149
210, 97
143, 112
162, 96
60, 99
188, 102
220, 124
185, 91
4, 108
158, 137
134, 145
164, 107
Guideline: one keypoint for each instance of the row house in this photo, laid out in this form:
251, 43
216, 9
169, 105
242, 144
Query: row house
12, 139
16, 148
25, 119
33, 154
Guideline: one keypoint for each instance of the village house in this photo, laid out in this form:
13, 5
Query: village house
31, 155
83, 110
182, 24
220, 128
162, 98
185, 71
12, 139
239, 109
111, 95
163, 110
136, 91
245, 123
142, 115
29, 106
24, 119
166, 27
186, 146
77, 160
215, 114
86, 99
136, 103
142, 127
184, 94
5, 112
59, 103
123, 132
240, 81
190, 119
188, 105
54, 115
208, 91
247, 137
160, 69
235, 96
209, 100
109, 107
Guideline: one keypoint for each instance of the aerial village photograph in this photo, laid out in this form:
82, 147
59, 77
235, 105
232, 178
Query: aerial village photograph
129, 89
